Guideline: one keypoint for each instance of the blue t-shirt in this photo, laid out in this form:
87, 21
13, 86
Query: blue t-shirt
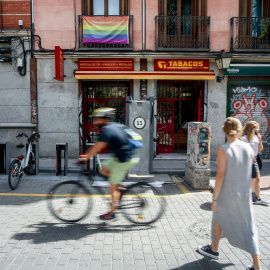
117, 139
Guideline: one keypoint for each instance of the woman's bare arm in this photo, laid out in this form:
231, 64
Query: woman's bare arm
221, 170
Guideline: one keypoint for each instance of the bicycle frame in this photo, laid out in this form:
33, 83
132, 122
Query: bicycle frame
25, 160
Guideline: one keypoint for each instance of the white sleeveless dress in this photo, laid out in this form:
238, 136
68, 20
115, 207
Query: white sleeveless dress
236, 217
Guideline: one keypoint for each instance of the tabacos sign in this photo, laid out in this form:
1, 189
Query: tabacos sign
182, 64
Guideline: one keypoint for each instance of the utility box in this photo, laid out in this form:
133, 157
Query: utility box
197, 173
138, 118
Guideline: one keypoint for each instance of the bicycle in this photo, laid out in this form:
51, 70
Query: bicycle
22, 165
71, 201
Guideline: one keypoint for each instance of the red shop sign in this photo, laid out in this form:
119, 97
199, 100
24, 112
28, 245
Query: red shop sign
112, 64
182, 64
59, 64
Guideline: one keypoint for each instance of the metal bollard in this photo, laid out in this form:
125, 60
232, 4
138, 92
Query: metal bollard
88, 167
59, 148
4, 157
35, 148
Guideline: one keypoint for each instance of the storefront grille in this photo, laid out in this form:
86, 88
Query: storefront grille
176, 89
251, 103
106, 90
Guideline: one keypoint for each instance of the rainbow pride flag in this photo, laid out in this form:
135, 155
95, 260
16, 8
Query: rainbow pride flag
106, 30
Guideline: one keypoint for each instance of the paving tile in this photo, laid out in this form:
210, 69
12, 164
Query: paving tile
32, 239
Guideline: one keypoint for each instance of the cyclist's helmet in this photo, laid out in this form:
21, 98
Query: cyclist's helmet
104, 113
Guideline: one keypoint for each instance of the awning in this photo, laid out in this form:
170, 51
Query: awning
144, 75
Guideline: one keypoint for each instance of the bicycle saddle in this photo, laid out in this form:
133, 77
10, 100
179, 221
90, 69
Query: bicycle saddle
20, 145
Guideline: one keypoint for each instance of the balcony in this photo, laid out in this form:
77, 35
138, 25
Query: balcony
182, 33
103, 46
250, 34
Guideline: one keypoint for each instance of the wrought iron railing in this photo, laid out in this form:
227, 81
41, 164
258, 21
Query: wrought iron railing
182, 33
250, 34
104, 47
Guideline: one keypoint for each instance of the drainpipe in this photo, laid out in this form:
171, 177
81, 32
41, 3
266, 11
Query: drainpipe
143, 24
32, 29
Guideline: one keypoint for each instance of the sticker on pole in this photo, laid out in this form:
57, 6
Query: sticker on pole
139, 122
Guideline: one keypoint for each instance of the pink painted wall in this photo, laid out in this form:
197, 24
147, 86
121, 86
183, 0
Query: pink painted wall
136, 11
221, 12
54, 22
151, 13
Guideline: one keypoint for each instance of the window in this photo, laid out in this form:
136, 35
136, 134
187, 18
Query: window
105, 7
182, 7
255, 25
179, 14
254, 8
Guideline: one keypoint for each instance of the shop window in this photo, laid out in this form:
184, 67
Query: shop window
105, 7
106, 90
176, 90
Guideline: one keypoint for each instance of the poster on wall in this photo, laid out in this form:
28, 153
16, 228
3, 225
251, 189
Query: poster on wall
251, 103
198, 147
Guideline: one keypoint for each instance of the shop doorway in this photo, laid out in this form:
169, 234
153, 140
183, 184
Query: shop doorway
98, 94
178, 102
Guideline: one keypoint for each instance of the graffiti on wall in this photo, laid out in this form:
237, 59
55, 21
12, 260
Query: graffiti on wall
251, 103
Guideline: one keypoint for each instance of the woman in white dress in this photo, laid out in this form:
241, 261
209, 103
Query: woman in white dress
253, 137
232, 208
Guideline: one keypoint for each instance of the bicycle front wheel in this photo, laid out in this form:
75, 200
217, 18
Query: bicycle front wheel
69, 201
14, 174
142, 203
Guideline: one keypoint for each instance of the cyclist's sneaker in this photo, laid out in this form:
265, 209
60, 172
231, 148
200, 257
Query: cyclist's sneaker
254, 197
251, 267
261, 202
207, 251
107, 216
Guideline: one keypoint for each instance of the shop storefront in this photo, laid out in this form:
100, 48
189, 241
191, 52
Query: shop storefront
249, 97
179, 91
179, 102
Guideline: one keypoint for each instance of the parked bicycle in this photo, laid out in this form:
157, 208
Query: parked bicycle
22, 165
140, 202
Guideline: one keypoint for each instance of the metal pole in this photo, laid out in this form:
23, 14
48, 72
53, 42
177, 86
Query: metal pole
143, 24
32, 29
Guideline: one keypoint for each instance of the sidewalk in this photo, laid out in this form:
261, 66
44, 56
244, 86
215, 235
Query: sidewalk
32, 239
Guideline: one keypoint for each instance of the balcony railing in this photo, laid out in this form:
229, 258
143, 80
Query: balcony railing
250, 34
182, 33
104, 47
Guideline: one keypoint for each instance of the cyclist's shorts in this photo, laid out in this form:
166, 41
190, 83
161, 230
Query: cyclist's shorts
118, 169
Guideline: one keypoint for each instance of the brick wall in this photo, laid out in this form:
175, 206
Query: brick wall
12, 11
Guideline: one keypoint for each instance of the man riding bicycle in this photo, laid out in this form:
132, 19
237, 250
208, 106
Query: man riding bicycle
117, 167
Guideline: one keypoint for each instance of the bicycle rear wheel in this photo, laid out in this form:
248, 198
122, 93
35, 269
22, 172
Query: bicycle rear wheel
69, 201
142, 203
14, 174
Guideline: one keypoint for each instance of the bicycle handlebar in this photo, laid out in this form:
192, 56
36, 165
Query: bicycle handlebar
21, 134
28, 136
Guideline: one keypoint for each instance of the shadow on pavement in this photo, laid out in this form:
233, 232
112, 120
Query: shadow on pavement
206, 206
53, 232
203, 264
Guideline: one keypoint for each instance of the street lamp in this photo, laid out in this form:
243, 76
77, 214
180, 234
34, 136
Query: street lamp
223, 61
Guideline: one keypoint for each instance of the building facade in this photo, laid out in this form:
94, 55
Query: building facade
93, 53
